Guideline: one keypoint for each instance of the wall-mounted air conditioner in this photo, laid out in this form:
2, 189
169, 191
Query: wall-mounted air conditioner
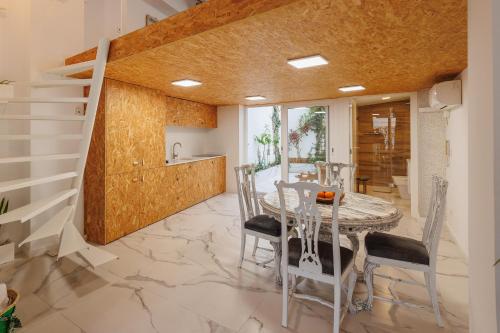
444, 96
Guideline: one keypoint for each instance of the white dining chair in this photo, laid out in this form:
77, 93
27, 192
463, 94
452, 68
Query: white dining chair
407, 253
308, 257
254, 223
329, 173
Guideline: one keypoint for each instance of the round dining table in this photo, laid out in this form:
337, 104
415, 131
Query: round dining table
357, 213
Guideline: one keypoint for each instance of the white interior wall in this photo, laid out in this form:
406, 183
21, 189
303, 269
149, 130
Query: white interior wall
228, 138
50, 45
113, 18
15, 46
414, 166
432, 161
483, 165
193, 140
136, 11
457, 170
102, 20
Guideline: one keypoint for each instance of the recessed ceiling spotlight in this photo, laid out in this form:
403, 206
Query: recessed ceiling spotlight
308, 62
186, 83
352, 88
255, 98
385, 98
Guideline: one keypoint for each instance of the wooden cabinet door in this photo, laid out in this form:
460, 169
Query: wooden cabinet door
156, 196
124, 205
135, 128
185, 113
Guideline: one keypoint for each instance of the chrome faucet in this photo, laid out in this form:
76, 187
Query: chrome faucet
174, 154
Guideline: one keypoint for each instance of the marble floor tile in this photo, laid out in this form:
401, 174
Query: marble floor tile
55, 323
181, 275
126, 309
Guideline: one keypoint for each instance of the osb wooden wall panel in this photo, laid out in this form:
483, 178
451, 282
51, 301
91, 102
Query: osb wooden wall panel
184, 113
135, 127
209, 15
374, 158
94, 178
387, 46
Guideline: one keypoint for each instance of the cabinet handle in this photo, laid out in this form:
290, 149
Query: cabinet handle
142, 161
135, 179
135, 163
142, 178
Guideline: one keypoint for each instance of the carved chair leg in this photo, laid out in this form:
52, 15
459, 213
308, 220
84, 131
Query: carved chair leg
242, 250
369, 267
294, 282
430, 282
277, 262
353, 277
336, 308
255, 246
284, 292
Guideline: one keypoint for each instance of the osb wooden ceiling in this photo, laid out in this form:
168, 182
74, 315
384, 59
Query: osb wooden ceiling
388, 46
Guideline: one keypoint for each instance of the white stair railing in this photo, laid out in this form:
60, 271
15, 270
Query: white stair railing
62, 222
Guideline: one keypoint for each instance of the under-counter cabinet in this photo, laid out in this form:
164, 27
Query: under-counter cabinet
127, 184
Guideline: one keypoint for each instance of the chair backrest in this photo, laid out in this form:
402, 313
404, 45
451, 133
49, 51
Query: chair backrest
435, 217
247, 193
323, 171
308, 220
330, 173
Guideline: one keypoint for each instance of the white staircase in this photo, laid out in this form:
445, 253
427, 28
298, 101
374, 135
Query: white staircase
61, 223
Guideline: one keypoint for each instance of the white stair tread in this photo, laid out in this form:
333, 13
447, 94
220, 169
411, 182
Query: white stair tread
39, 158
60, 83
33, 209
95, 256
45, 100
20, 137
41, 117
12, 185
52, 227
72, 69
71, 241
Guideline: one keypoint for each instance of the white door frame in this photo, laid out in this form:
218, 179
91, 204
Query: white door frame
284, 130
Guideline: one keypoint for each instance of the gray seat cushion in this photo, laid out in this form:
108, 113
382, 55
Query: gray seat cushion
394, 247
264, 224
325, 255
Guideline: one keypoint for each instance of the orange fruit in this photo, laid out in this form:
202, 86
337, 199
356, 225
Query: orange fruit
329, 195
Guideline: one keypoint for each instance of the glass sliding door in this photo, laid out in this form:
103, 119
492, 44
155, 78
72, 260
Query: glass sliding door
263, 140
306, 141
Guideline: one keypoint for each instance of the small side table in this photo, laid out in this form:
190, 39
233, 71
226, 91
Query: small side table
363, 180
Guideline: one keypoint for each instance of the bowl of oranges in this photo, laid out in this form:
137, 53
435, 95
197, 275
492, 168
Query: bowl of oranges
327, 197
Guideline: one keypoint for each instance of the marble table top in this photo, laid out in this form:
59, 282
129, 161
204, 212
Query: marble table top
357, 212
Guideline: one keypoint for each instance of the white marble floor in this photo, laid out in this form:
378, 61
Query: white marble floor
181, 275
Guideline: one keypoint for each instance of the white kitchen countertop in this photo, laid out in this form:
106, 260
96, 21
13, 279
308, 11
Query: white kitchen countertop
194, 158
